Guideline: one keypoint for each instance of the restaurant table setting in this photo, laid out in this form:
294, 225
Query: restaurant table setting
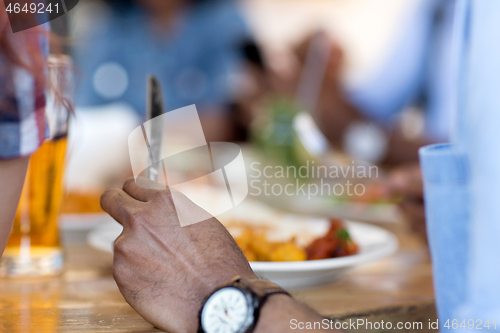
341, 268
85, 297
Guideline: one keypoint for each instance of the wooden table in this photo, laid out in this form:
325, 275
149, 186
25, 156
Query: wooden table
86, 299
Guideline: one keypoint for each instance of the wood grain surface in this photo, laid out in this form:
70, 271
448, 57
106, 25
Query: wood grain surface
86, 299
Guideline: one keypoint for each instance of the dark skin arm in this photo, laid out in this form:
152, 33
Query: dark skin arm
12, 174
279, 310
165, 271
334, 112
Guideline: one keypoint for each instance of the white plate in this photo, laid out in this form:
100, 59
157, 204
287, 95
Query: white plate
374, 243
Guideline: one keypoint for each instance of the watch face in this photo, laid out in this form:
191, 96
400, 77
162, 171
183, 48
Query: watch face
228, 310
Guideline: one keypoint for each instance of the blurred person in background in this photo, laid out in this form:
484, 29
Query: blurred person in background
22, 110
417, 72
195, 48
364, 120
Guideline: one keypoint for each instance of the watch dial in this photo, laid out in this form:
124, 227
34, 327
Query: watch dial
228, 310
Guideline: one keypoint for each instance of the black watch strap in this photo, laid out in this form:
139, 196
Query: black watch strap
260, 287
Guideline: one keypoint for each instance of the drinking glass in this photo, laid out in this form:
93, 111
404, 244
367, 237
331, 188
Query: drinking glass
33, 248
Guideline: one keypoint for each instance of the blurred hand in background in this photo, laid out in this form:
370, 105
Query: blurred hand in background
406, 182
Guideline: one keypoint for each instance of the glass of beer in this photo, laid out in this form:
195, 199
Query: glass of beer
33, 248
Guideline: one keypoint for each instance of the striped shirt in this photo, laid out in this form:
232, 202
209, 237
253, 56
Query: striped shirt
22, 103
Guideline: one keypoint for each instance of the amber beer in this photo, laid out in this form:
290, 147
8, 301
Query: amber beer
33, 248
36, 218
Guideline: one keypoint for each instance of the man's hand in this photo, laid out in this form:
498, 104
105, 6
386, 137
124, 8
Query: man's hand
163, 270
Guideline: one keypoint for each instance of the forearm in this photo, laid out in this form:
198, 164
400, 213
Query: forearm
335, 116
12, 174
282, 314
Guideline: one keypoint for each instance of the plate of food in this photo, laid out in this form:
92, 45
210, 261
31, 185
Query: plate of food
289, 249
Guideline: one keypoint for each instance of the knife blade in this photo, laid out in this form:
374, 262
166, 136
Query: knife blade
154, 107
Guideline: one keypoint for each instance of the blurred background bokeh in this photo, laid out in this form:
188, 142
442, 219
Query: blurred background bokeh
341, 82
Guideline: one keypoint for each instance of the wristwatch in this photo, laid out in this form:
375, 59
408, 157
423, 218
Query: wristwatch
235, 307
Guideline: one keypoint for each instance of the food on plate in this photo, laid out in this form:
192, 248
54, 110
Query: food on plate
336, 243
257, 246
